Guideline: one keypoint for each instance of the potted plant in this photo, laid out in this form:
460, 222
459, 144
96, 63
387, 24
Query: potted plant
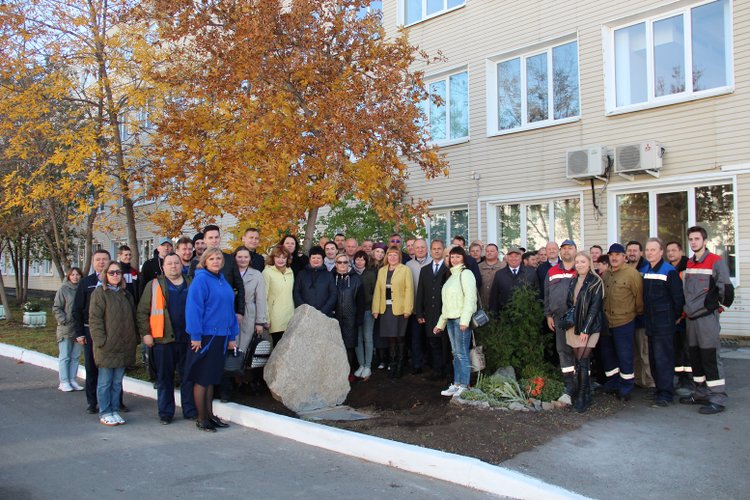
33, 316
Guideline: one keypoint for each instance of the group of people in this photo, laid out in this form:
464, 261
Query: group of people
193, 305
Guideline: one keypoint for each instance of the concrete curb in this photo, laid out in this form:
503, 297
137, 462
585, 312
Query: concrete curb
457, 469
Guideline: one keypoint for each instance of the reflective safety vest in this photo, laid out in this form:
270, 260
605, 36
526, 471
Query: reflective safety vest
158, 303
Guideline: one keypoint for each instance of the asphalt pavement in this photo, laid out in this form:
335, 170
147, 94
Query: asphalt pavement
50, 448
660, 453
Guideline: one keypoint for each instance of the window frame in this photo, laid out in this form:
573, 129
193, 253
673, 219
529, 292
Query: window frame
446, 76
447, 210
683, 184
533, 199
683, 8
523, 53
401, 14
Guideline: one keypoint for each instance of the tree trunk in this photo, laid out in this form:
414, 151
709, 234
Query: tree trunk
26, 263
89, 240
4, 299
312, 219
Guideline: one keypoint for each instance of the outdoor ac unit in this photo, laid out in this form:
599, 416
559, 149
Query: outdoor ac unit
585, 163
641, 157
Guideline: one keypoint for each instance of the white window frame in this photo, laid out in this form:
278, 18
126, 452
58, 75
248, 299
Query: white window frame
35, 268
685, 183
445, 76
47, 268
539, 198
447, 211
491, 64
401, 13
649, 17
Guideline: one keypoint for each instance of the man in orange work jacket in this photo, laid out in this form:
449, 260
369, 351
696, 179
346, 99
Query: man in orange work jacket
161, 323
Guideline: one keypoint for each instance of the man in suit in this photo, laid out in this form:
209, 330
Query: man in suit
507, 279
429, 304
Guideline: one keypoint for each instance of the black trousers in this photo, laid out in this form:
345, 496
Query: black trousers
92, 372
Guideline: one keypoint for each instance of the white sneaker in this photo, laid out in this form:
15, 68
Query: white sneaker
366, 373
76, 386
458, 392
358, 373
65, 387
108, 420
118, 419
450, 391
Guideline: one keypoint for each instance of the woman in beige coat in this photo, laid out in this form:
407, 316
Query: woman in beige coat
393, 301
279, 281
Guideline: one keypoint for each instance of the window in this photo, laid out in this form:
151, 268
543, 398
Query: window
413, 11
668, 213
532, 224
449, 118
34, 268
535, 87
447, 224
145, 251
47, 268
670, 57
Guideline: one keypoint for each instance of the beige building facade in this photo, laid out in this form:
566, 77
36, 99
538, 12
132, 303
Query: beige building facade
575, 119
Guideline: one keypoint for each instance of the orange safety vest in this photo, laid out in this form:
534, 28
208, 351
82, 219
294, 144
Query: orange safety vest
158, 302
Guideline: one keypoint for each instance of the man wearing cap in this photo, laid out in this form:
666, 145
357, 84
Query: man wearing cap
623, 301
155, 266
556, 286
510, 277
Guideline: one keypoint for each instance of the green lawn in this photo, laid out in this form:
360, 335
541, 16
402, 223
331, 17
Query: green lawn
43, 339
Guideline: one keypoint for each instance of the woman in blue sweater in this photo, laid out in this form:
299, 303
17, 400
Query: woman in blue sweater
213, 328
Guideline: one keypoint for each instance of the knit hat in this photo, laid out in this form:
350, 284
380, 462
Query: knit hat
198, 236
381, 246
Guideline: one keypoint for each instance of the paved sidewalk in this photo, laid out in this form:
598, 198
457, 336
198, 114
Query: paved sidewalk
50, 448
643, 452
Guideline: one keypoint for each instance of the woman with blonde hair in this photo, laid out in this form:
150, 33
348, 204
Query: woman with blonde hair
279, 280
393, 301
586, 295
212, 326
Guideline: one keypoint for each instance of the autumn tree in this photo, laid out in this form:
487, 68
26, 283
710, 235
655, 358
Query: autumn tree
101, 50
287, 106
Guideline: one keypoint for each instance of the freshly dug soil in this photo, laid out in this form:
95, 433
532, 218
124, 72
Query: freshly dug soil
411, 410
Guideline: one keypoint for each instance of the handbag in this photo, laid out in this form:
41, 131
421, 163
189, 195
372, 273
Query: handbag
569, 318
234, 363
479, 318
258, 352
476, 356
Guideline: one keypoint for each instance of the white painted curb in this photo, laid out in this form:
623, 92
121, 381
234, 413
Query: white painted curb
449, 467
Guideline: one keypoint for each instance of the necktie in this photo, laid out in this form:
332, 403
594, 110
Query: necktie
436, 268
515, 272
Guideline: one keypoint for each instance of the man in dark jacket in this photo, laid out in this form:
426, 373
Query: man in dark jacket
470, 262
81, 303
428, 306
507, 279
212, 237
662, 307
551, 254
153, 267
251, 240
682, 369
315, 286
130, 275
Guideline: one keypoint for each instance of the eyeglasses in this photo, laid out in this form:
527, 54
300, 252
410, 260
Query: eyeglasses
395, 240
342, 262
114, 273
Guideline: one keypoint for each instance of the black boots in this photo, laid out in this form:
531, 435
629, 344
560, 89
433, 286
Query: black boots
583, 394
396, 366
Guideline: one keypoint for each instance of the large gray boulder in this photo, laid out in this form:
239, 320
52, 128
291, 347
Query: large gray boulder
308, 369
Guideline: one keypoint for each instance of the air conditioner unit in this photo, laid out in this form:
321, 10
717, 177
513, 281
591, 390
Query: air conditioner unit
641, 157
585, 163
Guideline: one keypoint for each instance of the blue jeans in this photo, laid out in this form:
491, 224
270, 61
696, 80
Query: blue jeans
69, 359
460, 345
109, 389
364, 344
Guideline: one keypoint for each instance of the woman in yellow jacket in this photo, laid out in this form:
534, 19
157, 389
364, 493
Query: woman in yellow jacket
279, 280
459, 304
393, 301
